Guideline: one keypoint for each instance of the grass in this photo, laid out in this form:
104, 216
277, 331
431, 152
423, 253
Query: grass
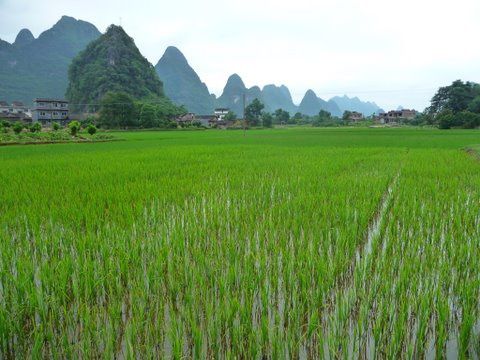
215, 244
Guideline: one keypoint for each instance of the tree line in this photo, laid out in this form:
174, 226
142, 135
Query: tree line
453, 106
120, 110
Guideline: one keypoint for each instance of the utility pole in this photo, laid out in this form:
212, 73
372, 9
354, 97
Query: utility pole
244, 118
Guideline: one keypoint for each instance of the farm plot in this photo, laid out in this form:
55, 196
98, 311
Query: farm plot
208, 245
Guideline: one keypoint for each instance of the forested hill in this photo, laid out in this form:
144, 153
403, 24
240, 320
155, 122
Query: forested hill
38, 67
112, 63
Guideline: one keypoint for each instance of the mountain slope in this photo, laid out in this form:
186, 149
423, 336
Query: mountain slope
232, 95
111, 63
24, 37
278, 98
182, 84
272, 96
38, 67
311, 105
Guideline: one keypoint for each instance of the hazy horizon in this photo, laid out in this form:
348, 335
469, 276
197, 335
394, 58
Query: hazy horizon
391, 54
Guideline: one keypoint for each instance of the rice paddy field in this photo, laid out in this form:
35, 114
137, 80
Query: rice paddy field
284, 243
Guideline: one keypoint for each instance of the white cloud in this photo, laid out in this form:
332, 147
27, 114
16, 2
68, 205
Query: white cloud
391, 52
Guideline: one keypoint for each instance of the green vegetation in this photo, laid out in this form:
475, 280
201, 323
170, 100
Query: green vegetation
112, 63
281, 116
120, 110
302, 242
74, 127
19, 133
253, 112
231, 116
457, 105
92, 129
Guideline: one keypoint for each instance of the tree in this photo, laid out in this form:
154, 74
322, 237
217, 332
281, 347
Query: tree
35, 127
267, 119
117, 110
18, 127
324, 115
281, 116
298, 116
148, 118
91, 129
445, 119
346, 115
231, 116
56, 126
468, 119
455, 98
324, 118
74, 127
474, 105
253, 112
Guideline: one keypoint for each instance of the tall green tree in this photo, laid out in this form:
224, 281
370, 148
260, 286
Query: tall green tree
147, 115
267, 120
346, 115
117, 110
455, 98
253, 112
231, 116
281, 116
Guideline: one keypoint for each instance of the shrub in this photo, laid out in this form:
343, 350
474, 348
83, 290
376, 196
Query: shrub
74, 127
91, 129
5, 123
35, 127
55, 126
17, 128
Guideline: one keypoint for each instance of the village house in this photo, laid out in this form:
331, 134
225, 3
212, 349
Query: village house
16, 111
188, 118
191, 118
207, 120
47, 111
19, 107
4, 107
220, 113
396, 116
355, 116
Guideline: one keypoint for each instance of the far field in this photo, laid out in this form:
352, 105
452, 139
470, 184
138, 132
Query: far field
294, 243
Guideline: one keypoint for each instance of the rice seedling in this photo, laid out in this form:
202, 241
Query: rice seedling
314, 243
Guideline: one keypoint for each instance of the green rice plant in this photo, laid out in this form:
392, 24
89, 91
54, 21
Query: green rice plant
281, 243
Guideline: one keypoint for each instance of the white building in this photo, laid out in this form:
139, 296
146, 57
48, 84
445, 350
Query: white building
220, 113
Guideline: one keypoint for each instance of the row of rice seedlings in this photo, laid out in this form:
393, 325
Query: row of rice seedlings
236, 263
419, 296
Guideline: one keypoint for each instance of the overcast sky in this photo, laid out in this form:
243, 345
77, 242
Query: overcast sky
388, 51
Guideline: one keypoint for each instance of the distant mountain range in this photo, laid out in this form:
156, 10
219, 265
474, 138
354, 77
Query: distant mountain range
355, 104
32, 68
184, 87
311, 105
